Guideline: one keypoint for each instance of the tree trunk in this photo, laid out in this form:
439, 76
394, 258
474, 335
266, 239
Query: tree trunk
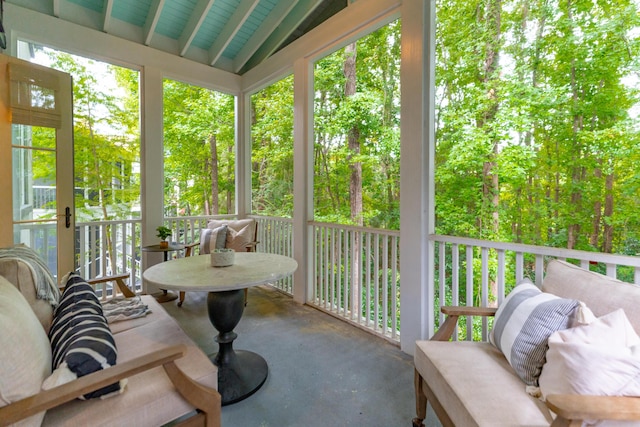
491, 191
607, 236
573, 229
597, 213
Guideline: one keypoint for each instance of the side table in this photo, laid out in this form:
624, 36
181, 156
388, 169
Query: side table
164, 296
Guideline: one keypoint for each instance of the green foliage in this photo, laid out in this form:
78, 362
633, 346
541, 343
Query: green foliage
272, 149
537, 123
373, 113
199, 150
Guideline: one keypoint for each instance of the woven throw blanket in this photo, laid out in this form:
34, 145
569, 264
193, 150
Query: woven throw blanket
120, 308
46, 286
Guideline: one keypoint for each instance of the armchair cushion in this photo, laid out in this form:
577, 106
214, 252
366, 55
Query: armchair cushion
213, 238
523, 324
80, 337
24, 350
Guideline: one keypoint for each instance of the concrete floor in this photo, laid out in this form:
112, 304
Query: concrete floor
322, 371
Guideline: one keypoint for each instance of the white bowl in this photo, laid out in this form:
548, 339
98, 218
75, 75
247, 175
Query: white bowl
222, 257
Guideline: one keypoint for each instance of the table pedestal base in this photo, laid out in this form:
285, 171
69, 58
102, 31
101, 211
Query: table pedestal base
241, 378
240, 373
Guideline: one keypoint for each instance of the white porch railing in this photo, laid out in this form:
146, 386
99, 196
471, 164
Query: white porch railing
110, 247
274, 236
357, 276
186, 229
356, 270
480, 273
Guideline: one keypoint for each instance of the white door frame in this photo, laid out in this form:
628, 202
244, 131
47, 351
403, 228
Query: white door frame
64, 163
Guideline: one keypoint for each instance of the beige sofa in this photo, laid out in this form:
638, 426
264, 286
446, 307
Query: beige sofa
472, 383
168, 377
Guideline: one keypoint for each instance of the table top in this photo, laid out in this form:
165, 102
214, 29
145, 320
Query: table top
157, 248
195, 273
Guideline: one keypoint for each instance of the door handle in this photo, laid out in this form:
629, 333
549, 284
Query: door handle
67, 217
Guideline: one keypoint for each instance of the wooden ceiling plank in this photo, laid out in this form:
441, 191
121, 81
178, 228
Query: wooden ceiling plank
232, 27
302, 10
269, 25
195, 22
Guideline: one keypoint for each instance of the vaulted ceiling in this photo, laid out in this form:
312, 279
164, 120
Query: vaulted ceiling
231, 35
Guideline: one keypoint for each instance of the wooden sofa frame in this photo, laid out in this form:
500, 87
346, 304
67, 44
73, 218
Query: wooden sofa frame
206, 400
571, 410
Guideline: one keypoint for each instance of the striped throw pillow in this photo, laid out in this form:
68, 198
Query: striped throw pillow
522, 326
211, 239
81, 340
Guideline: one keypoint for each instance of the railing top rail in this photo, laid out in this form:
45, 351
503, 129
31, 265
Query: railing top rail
109, 222
627, 260
395, 233
190, 217
270, 218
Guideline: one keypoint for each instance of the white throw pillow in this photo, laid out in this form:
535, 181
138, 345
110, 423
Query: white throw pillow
600, 359
24, 350
523, 323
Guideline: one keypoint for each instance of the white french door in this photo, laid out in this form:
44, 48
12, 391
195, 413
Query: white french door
36, 148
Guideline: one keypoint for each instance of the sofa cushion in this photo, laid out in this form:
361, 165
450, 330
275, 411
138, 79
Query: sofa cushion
478, 386
80, 336
212, 239
150, 398
523, 323
24, 350
600, 293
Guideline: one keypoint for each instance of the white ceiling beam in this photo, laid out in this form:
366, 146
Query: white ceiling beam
106, 15
195, 22
56, 8
152, 20
293, 20
275, 17
232, 27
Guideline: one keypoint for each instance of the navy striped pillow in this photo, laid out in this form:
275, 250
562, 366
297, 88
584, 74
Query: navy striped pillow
522, 326
80, 336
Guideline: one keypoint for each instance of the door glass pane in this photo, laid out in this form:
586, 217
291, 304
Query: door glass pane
34, 190
42, 237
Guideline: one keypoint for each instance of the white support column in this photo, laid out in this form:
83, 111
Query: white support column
243, 154
152, 164
417, 171
302, 178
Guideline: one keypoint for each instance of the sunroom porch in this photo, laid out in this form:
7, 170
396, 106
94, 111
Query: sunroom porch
369, 295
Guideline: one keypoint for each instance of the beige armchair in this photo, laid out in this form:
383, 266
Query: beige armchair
239, 235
